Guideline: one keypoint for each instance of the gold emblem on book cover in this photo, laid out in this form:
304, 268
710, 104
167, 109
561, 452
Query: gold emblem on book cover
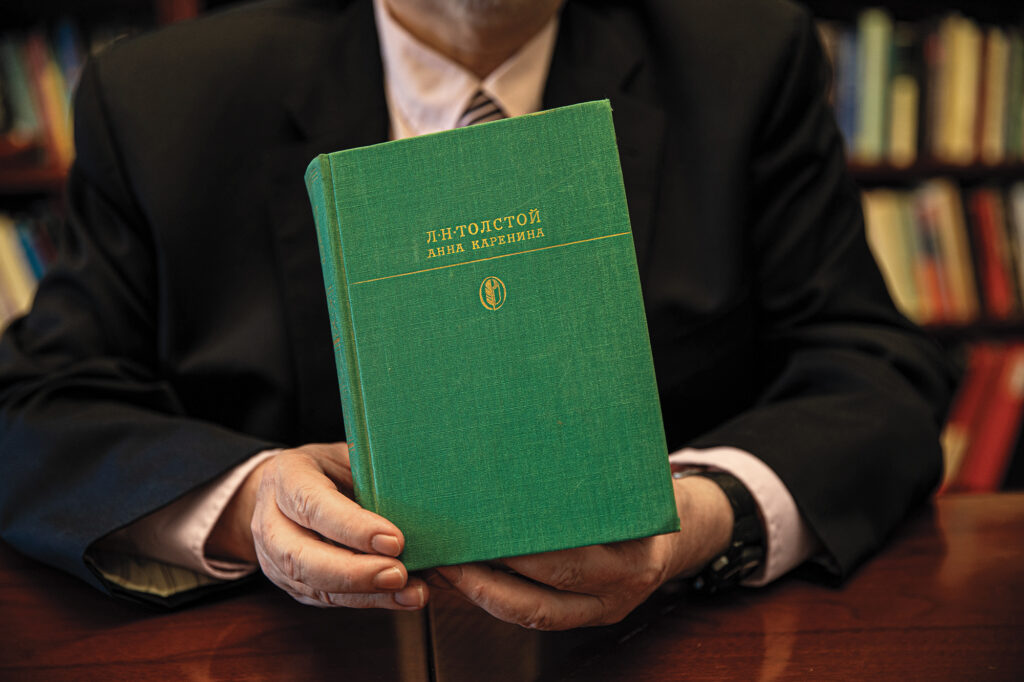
492, 293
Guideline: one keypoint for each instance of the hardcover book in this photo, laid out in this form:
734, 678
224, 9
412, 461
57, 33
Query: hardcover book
497, 384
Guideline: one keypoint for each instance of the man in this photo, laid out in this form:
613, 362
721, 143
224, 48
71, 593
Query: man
157, 399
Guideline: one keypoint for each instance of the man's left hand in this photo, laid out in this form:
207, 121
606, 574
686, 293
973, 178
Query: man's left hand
599, 584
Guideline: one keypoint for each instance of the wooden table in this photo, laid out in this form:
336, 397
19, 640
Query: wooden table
944, 601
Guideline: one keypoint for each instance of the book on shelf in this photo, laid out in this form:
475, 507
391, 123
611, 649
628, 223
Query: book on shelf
940, 206
497, 384
950, 257
957, 74
983, 427
39, 70
966, 415
49, 94
904, 97
17, 280
874, 68
991, 129
994, 254
1013, 214
25, 253
22, 127
947, 90
1015, 95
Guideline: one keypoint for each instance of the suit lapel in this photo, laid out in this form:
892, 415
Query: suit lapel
338, 103
592, 60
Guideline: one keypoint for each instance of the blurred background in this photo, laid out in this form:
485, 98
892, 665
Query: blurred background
929, 96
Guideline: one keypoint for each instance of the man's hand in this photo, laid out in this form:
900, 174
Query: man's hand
600, 584
311, 539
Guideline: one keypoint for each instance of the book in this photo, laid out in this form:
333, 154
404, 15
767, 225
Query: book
24, 125
48, 90
1013, 216
962, 40
992, 122
874, 42
904, 97
1014, 115
991, 448
968, 412
993, 253
945, 208
27, 238
497, 384
846, 80
933, 275
887, 238
17, 283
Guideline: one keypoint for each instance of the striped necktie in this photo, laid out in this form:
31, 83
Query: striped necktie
480, 110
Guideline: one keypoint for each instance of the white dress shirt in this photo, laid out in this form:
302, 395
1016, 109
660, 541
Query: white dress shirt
427, 92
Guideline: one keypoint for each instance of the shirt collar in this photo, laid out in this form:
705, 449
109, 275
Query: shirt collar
427, 92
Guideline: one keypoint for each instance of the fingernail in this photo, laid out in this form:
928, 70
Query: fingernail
389, 579
410, 597
387, 545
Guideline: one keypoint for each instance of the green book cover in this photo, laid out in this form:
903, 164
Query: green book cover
497, 385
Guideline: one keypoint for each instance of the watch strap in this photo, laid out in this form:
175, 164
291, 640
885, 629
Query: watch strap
746, 550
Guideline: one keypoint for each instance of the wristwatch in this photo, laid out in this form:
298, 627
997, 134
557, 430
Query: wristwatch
746, 550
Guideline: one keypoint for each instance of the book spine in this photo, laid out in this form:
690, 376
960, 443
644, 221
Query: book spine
904, 97
931, 275
846, 88
47, 90
1007, 254
24, 116
24, 231
977, 389
988, 456
874, 42
993, 126
320, 185
1015, 95
16, 277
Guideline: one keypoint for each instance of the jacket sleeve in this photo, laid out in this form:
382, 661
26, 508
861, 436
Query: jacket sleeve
92, 434
853, 395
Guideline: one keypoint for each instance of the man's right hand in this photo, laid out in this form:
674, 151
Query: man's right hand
312, 539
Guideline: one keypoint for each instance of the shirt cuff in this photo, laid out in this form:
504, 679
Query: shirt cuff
789, 540
177, 534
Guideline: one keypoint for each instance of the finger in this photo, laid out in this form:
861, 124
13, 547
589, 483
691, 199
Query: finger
588, 570
514, 600
350, 601
291, 554
596, 569
333, 459
436, 580
571, 570
411, 598
307, 497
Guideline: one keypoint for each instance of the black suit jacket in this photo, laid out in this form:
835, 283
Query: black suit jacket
184, 326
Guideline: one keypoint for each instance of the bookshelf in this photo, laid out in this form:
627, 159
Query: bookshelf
930, 98
31, 180
43, 44
999, 11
